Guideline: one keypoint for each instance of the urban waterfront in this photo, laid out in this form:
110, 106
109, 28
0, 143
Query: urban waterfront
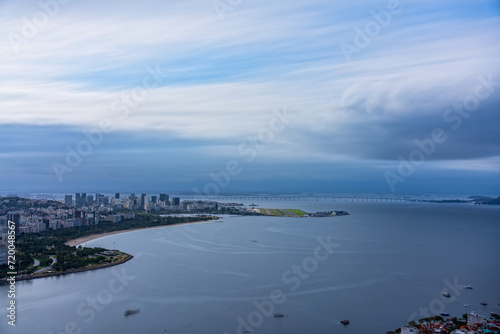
378, 267
246, 167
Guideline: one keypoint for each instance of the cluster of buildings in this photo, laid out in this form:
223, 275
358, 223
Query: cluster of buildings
476, 324
14, 217
117, 202
39, 215
328, 213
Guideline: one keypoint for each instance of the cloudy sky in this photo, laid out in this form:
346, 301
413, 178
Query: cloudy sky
217, 96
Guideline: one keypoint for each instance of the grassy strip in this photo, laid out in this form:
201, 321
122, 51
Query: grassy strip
284, 212
275, 212
271, 212
124, 258
298, 212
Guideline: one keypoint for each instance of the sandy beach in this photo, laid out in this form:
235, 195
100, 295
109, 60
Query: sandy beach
82, 240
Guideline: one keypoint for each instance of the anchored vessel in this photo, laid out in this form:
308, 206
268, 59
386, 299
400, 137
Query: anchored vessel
132, 311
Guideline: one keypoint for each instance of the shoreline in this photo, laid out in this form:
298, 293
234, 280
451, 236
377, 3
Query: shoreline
67, 272
79, 241
82, 240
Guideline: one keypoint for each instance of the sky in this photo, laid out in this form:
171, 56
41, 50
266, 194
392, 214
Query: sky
251, 96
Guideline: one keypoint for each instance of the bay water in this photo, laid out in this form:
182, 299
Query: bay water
379, 267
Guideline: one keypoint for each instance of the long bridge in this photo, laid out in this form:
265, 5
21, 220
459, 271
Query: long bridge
302, 198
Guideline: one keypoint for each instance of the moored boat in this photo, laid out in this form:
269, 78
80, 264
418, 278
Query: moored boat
132, 311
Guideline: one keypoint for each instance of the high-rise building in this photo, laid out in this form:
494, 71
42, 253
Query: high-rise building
79, 218
165, 199
80, 200
14, 217
79, 214
91, 219
154, 199
3, 251
46, 222
176, 201
117, 195
97, 199
68, 200
90, 200
143, 201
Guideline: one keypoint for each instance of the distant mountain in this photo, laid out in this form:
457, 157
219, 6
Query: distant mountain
495, 201
481, 197
489, 201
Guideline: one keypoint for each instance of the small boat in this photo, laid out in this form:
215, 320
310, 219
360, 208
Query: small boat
468, 287
132, 311
445, 314
345, 322
247, 331
279, 315
465, 305
484, 304
446, 294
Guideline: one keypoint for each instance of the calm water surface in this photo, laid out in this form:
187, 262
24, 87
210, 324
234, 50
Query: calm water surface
389, 261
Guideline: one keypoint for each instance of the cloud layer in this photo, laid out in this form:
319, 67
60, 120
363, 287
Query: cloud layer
213, 83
